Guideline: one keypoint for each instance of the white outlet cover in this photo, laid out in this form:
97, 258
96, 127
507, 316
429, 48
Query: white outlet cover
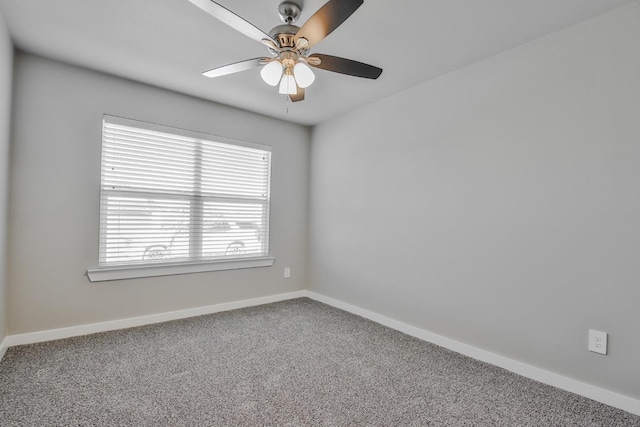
597, 341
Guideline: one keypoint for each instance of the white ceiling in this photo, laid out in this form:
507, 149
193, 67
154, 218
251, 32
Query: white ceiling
168, 43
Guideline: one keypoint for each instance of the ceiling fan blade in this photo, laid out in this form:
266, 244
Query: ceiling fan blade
345, 66
326, 19
235, 67
231, 19
298, 96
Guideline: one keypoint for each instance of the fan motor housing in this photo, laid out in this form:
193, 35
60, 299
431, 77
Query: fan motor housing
284, 35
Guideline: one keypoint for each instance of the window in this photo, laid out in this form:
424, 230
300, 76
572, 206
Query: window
170, 196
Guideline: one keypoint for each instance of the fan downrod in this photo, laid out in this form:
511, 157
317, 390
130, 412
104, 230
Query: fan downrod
289, 11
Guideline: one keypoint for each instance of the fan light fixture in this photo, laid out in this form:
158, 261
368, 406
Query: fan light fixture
272, 72
290, 61
303, 74
288, 85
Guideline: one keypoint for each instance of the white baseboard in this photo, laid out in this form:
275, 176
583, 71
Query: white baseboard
74, 331
4, 345
559, 381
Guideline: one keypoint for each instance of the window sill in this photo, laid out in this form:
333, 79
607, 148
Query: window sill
121, 273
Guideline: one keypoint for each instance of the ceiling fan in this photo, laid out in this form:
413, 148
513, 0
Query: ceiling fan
290, 61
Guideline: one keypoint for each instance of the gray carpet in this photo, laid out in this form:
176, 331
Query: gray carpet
294, 363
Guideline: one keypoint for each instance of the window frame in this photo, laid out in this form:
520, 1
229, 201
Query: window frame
137, 270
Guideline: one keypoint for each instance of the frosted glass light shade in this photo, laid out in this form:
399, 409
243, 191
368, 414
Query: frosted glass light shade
288, 85
271, 73
303, 74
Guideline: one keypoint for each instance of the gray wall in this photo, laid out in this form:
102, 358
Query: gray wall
6, 68
54, 193
497, 205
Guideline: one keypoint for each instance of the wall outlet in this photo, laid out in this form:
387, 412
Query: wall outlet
597, 341
287, 272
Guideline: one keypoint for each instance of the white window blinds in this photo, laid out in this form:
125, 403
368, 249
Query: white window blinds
173, 196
